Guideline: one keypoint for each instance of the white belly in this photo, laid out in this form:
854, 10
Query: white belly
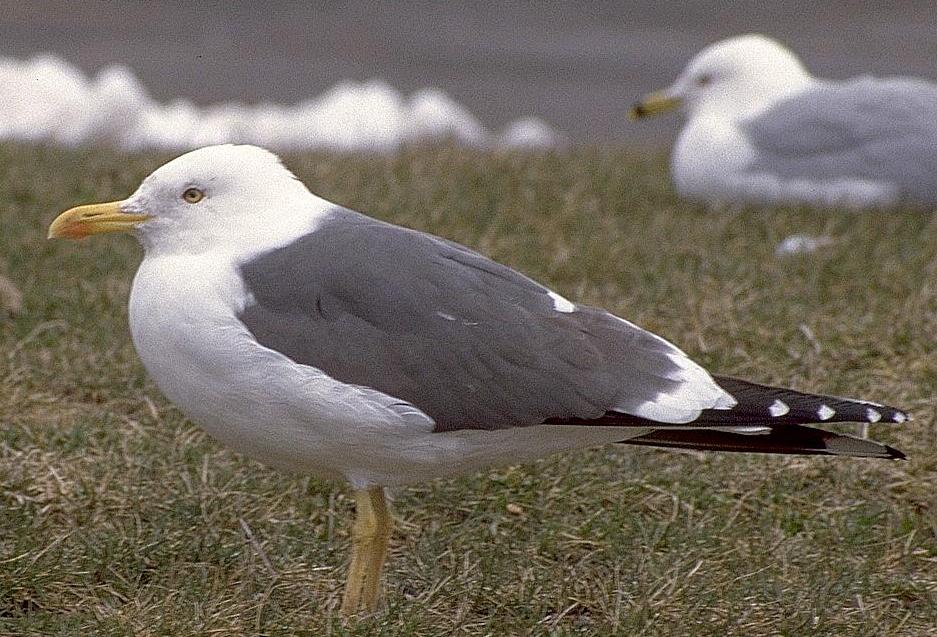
205, 361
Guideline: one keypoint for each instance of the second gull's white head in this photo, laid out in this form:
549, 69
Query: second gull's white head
731, 78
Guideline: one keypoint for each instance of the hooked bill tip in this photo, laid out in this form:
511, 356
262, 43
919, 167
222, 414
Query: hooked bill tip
637, 111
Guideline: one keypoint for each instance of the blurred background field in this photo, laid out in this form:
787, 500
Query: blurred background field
119, 517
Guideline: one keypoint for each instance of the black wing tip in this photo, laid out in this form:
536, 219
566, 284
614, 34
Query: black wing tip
894, 454
790, 406
891, 415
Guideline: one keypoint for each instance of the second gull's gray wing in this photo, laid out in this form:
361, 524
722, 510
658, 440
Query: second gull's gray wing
866, 128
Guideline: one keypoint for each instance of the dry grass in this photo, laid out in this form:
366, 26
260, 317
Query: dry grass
11, 299
118, 517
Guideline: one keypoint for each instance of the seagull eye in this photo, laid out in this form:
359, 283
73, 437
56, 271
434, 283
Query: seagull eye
193, 195
704, 80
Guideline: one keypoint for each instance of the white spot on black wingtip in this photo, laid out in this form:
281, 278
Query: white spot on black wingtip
872, 415
900, 417
825, 412
778, 408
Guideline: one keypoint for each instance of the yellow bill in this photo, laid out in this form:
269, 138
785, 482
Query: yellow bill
654, 104
81, 221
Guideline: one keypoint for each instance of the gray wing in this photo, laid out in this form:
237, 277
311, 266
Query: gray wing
867, 128
470, 342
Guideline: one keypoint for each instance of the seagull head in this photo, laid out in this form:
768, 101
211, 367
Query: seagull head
731, 78
214, 196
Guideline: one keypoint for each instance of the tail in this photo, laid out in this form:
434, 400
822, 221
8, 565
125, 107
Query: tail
786, 439
770, 420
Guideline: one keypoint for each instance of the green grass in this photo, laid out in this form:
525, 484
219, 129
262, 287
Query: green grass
119, 517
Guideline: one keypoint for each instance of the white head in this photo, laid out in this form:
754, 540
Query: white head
214, 196
731, 78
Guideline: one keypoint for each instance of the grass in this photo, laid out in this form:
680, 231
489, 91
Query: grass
119, 517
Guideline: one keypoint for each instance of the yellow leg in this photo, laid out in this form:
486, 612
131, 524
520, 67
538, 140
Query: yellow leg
369, 540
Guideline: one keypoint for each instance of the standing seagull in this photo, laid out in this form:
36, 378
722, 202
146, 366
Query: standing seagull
761, 129
318, 340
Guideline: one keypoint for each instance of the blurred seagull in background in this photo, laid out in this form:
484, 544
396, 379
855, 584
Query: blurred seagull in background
319, 340
760, 129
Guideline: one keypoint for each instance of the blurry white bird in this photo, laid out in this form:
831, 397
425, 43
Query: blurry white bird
761, 129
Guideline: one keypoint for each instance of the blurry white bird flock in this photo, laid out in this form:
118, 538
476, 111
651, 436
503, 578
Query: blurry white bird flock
46, 99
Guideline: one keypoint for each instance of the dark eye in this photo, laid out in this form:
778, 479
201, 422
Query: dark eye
193, 195
703, 80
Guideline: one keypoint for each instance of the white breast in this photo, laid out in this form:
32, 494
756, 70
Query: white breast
708, 157
294, 417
